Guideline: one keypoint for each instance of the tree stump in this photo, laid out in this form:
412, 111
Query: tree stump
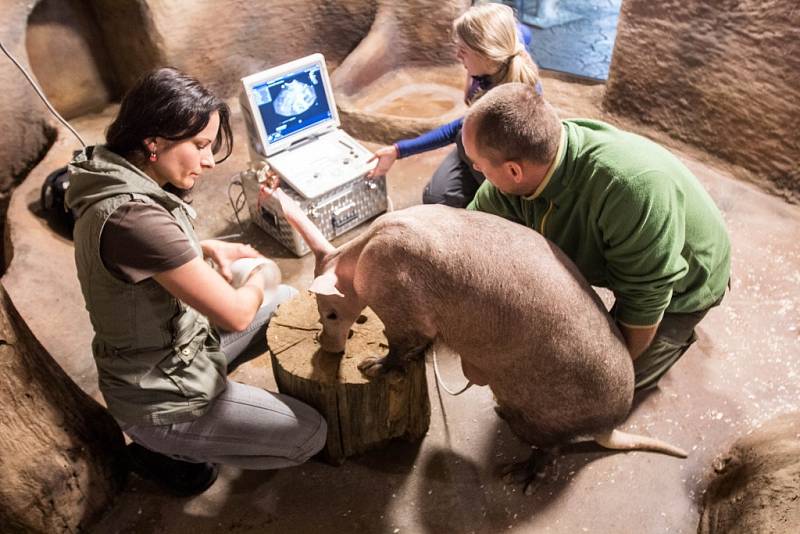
361, 413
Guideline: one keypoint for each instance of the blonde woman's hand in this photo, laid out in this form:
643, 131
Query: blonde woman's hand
386, 156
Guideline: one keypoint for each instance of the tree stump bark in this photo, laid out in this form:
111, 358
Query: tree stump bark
61, 453
361, 413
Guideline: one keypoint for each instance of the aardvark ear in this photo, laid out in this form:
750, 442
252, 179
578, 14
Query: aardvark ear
325, 284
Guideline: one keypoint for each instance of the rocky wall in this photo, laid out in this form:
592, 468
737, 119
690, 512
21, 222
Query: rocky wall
220, 42
756, 484
399, 38
402, 54
86, 54
68, 58
723, 75
62, 461
24, 121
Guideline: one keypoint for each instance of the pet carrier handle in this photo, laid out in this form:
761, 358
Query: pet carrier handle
344, 214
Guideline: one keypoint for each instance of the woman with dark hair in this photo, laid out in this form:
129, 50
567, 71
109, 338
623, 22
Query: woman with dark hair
168, 325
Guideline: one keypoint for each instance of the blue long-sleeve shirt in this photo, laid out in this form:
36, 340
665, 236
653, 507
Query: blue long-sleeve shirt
446, 134
441, 136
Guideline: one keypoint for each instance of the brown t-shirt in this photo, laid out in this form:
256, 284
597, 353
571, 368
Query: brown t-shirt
140, 240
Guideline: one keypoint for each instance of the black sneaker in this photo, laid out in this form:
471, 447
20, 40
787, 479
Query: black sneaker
180, 478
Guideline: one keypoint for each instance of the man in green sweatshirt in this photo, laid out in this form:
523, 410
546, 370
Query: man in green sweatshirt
630, 215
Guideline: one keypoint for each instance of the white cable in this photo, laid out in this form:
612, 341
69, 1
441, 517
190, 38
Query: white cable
41, 94
439, 377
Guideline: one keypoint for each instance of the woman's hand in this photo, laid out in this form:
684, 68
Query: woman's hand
201, 287
223, 254
386, 157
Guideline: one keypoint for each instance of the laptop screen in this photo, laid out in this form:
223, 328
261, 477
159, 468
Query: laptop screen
292, 102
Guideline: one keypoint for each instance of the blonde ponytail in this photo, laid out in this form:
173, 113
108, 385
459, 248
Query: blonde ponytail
491, 31
521, 68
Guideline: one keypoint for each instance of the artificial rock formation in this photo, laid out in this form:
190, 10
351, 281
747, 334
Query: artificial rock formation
85, 54
61, 463
757, 489
220, 42
26, 126
724, 76
62, 37
400, 63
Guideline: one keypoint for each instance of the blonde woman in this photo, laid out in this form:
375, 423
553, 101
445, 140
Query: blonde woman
491, 45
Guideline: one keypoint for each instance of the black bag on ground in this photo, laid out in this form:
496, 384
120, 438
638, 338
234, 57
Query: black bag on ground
54, 191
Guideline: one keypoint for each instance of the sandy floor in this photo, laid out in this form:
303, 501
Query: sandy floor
742, 372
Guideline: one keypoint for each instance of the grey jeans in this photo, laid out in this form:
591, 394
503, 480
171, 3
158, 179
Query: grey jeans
245, 426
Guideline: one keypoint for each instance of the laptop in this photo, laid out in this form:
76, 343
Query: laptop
293, 124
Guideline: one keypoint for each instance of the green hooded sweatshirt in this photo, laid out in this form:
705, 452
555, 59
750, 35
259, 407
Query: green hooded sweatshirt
158, 360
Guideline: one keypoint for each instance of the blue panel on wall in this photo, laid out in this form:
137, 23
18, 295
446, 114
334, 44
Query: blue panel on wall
573, 36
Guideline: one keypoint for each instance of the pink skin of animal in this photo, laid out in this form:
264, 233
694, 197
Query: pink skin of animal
510, 303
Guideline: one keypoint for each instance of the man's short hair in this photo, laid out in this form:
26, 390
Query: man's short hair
512, 122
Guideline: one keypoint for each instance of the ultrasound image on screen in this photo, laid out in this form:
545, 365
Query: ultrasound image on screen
292, 103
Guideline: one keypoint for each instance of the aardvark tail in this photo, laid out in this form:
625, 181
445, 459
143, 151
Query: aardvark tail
616, 439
